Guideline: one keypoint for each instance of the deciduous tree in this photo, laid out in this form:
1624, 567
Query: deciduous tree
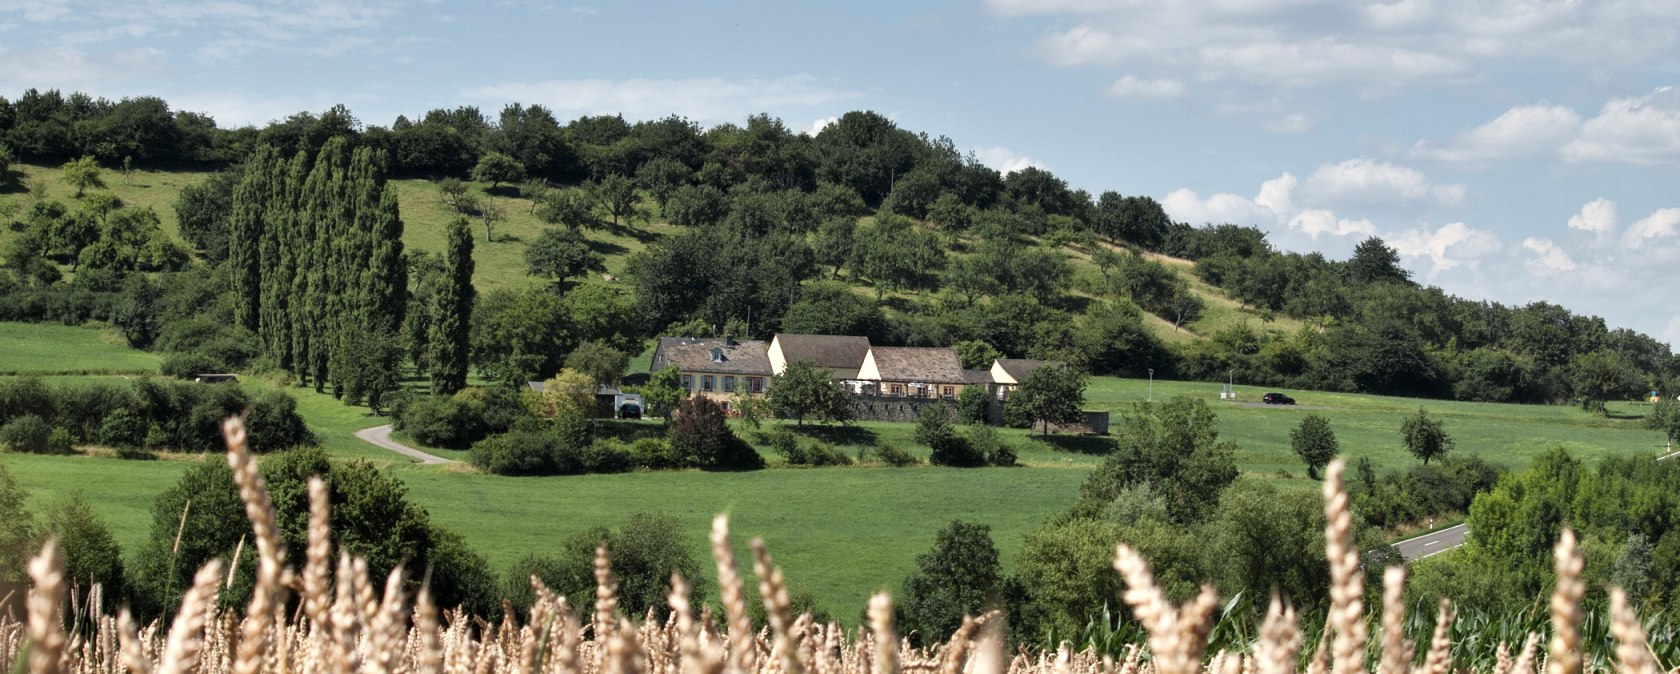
1424, 437
560, 255
803, 389
1314, 442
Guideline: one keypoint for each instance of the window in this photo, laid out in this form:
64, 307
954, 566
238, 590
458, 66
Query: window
707, 383
728, 384
949, 392
688, 382
755, 384
897, 390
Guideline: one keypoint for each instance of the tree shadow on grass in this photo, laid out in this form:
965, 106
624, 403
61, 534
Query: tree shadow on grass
1095, 445
836, 434
607, 248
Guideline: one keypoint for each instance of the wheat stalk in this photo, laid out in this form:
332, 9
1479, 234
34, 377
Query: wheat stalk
1346, 585
1565, 654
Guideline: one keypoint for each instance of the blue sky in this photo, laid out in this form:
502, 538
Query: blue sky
1514, 150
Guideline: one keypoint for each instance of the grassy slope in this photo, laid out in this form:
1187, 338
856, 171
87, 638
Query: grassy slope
49, 348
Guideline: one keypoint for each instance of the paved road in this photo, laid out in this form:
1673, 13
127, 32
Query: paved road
1413, 549
380, 436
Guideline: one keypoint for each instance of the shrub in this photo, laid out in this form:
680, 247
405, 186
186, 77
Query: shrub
122, 429
701, 435
973, 405
987, 442
889, 454
645, 550
90, 551
655, 454
59, 441
607, 455
28, 433
439, 421
189, 364
275, 424
956, 578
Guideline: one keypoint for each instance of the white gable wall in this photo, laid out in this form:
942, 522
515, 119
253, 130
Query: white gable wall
869, 372
778, 361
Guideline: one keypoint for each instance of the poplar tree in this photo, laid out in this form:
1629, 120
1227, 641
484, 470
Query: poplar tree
452, 316
245, 233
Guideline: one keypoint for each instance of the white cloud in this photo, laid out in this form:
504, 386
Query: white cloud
1524, 130
820, 124
70, 68
700, 98
1643, 130
1133, 87
1316, 221
1370, 182
1004, 160
1548, 257
1330, 60
1597, 216
1184, 205
1662, 224
1452, 245
1278, 194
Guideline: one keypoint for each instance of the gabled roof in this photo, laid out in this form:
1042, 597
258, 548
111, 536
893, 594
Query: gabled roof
836, 352
726, 356
1021, 368
978, 376
918, 364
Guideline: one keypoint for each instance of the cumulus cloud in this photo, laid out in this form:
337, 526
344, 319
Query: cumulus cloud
1524, 130
1548, 257
700, 98
1133, 87
1316, 221
1004, 160
1371, 182
1450, 246
1659, 225
1643, 130
1597, 216
820, 124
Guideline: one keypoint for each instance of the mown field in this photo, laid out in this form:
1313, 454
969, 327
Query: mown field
840, 532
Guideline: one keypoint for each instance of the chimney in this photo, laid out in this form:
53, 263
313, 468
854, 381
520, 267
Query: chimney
729, 340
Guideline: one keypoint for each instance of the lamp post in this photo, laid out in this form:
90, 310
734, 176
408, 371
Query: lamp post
1151, 384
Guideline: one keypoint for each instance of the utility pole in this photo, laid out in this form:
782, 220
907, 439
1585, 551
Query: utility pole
1151, 384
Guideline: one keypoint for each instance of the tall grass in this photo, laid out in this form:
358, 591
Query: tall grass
343, 624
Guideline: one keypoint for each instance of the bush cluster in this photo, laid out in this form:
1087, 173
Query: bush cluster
150, 415
816, 454
978, 445
458, 421
1422, 491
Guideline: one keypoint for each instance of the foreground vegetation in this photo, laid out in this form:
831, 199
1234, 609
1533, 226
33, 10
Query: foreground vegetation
345, 625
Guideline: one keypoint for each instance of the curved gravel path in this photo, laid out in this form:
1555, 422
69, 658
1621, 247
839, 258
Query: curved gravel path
380, 436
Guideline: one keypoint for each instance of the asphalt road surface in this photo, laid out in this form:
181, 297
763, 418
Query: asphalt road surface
380, 436
1413, 549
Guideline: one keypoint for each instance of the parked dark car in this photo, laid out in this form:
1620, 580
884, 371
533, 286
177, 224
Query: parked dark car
1277, 399
630, 411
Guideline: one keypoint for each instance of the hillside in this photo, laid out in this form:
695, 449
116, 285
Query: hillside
500, 261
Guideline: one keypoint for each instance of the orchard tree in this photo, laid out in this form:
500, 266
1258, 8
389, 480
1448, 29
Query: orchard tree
497, 168
616, 195
1424, 437
603, 364
803, 389
560, 255
1314, 442
1052, 394
566, 208
83, 174
1600, 376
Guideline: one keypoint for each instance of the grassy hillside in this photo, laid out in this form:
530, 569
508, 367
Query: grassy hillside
62, 349
500, 262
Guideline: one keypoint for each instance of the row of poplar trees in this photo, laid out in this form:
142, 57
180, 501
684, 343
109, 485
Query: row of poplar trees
318, 271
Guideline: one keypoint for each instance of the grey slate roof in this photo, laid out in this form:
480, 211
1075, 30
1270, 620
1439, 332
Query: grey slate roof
692, 354
919, 364
836, 352
978, 376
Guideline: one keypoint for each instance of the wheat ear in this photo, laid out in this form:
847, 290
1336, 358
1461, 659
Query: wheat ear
271, 557
1280, 639
1346, 586
1565, 651
46, 625
1525, 660
606, 595
128, 636
778, 608
742, 650
317, 569
1396, 650
1439, 659
1631, 648
886, 642
186, 635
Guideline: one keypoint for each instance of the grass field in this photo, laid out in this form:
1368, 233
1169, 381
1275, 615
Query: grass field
50, 348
